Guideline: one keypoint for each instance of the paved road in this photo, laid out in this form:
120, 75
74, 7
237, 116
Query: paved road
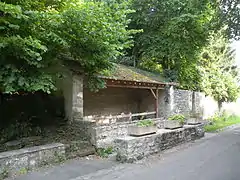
216, 157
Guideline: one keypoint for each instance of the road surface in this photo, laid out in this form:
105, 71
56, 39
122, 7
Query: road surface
215, 157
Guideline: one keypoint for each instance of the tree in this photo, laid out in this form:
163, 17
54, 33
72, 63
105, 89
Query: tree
174, 31
38, 38
219, 71
229, 14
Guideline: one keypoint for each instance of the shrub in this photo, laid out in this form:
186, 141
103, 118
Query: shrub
145, 123
4, 173
177, 117
220, 121
222, 116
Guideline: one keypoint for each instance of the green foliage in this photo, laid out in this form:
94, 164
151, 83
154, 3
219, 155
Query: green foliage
4, 173
23, 171
177, 117
229, 15
150, 66
218, 117
104, 152
22, 49
220, 121
219, 72
39, 38
145, 123
174, 31
28, 114
19, 130
59, 158
99, 33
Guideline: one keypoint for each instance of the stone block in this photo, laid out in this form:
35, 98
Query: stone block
130, 149
193, 121
172, 124
29, 158
104, 135
141, 131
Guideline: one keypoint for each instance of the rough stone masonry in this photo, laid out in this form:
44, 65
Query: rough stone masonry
130, 149
30, 158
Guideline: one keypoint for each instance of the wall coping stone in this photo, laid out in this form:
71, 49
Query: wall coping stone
33, 149
30, 158
159, 132
126, 122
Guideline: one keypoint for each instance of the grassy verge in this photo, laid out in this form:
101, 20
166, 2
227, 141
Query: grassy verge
222, 123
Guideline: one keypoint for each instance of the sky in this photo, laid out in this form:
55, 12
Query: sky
236, 45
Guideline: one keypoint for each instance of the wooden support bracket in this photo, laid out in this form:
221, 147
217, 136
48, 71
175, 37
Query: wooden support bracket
154, 94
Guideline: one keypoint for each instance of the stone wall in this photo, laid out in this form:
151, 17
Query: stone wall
205, 105
162, 103
111, 101
72, 86
77, 97
130, 149
147, 101
104, 135
182, 101
30, 158
80, 102
115, 101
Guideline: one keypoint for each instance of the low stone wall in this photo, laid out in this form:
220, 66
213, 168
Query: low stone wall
30, 158
105, 134
130, 149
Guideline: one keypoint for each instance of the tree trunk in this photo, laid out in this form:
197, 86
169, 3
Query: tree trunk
220, 106
193, 102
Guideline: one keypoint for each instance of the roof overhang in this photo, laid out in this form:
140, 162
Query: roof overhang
136, 84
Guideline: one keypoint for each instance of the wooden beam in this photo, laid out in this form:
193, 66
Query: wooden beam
156, 105
134, 83
135, 115
153, 93
129, 86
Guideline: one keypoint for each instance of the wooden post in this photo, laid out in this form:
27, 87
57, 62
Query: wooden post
156, 105
155, 95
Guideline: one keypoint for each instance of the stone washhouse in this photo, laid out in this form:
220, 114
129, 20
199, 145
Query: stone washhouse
105, 116
130, 94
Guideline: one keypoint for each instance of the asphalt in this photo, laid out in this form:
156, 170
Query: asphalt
215, 157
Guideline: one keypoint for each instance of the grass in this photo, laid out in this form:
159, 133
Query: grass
221, 123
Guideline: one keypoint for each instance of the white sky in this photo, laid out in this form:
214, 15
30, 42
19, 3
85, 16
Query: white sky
236, 45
